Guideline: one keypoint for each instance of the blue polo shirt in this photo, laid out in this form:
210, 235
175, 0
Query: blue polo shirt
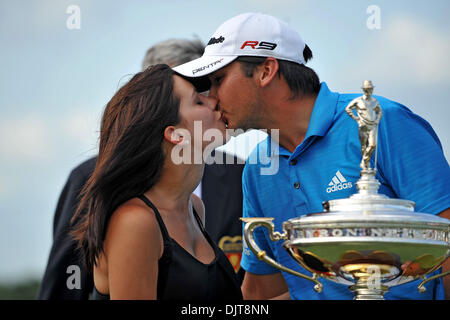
284, 185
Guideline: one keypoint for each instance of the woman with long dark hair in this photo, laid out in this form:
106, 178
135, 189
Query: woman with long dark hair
140, 228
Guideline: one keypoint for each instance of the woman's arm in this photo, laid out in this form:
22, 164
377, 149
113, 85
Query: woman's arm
133, 245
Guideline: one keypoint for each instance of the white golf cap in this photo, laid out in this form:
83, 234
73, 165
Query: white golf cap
248, 34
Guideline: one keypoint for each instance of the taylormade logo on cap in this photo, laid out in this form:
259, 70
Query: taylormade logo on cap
214, 40
248, 34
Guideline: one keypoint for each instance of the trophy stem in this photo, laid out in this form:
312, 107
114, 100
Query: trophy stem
367, 184
362, 292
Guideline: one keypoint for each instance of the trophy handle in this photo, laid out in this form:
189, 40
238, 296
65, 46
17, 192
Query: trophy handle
250, 225
421, 287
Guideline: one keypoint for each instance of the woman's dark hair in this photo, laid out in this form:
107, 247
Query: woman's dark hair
130, 154
302, 80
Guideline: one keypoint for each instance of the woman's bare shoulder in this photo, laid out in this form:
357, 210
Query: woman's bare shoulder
133, 246
133, 222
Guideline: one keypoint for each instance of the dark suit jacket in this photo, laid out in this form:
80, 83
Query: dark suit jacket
221, 194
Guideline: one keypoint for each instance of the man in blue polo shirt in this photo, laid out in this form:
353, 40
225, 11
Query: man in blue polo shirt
256, 66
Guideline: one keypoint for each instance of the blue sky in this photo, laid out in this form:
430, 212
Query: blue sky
55, 82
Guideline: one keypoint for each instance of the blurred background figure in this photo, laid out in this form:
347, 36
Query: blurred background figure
220, 189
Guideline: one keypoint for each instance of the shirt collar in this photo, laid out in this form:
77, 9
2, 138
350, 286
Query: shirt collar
323, 112
322, 117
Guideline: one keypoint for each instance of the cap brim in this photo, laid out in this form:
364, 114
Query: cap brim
201, 84
203, 66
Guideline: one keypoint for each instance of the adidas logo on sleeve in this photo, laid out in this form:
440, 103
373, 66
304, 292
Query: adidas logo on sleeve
338, 183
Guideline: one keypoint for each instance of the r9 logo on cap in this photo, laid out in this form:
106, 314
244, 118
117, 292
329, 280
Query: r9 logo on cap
262, 45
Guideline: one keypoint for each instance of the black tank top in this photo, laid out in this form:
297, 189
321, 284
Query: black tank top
183, 277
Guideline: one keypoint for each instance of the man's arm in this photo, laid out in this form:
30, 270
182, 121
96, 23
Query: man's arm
446, 266
263, 287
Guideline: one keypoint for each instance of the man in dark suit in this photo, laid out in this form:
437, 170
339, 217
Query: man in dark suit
221, 192
220, 189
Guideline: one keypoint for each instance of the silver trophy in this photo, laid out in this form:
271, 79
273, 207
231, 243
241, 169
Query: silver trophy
369, 242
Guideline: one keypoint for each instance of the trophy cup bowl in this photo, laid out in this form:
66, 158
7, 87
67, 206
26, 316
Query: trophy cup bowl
369, 242
369, 246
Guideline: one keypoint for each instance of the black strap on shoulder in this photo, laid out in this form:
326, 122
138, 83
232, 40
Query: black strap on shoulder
157, 215
199, 221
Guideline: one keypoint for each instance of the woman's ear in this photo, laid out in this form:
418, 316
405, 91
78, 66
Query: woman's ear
267, 71
176, 135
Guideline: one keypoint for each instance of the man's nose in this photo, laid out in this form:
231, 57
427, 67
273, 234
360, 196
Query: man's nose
212, 92
212, 102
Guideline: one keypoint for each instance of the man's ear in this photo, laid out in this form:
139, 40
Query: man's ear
176, 135
267, 71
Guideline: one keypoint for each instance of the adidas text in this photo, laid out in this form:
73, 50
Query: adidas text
341, 186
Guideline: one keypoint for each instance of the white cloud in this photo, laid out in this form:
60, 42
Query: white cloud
82, 127
25, 139
409, 51
35, 139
